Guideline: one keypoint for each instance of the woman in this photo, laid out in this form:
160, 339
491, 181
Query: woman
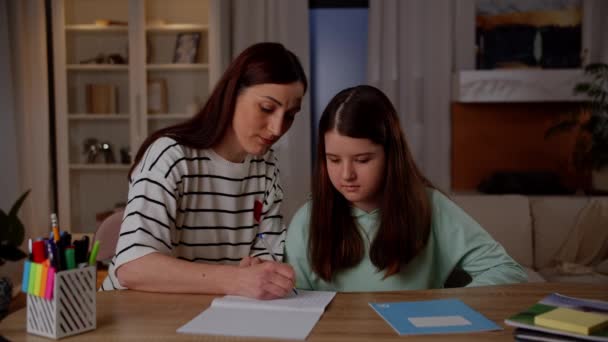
189, 224
374, 222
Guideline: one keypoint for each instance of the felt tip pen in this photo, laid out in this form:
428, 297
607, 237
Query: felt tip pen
94, 251
272, 255
70, 258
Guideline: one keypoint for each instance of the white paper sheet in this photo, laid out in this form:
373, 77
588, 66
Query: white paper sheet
292, 317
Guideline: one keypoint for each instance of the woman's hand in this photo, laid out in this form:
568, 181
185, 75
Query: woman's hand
250, 261
263, 279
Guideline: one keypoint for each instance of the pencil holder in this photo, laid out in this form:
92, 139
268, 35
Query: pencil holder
72, 309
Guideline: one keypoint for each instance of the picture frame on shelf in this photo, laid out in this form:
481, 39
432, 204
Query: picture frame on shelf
157, 96
186, 47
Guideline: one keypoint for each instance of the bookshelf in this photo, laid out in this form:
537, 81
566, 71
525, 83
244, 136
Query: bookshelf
131, 53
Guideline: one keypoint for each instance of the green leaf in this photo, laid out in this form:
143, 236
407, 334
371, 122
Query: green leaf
582, 88
561, 127
580, 154
592, 151
11, 228
596, 91
596, 68
3, 226
18, 204
11, 253
16, 232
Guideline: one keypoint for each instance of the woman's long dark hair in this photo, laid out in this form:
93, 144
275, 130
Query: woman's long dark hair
335, 241
258, 64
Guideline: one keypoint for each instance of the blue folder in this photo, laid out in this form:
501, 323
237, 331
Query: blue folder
433, 317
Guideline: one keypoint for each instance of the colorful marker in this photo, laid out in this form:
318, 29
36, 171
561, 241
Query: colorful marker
93, 256
25, 282
70, 259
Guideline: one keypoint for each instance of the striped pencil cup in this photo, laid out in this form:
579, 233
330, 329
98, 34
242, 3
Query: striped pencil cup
72, 309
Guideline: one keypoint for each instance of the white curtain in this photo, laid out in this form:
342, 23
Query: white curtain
410, 58
9, 174
286, 22
603, 28
26, 82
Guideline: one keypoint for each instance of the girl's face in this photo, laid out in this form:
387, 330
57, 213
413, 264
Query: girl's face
356, 169
263, 113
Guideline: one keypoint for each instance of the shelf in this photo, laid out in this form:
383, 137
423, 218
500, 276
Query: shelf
99, 167
169, 116
177, 67
98, 67
176, 28
95, 28
93, 117
516, 85
144, 33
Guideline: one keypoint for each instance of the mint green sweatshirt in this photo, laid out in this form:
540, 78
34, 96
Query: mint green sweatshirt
456, 240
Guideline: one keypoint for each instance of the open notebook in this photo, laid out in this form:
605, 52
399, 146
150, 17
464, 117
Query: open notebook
291, 317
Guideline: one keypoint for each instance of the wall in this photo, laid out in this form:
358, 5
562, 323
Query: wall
338, 55
509, 137
9, 177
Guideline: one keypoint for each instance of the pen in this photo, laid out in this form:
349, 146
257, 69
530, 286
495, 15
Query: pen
51, 252
56, 239
93, 255
70, 259
55, 227
272, 255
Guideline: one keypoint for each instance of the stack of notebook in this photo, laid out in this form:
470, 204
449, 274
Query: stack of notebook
561, 318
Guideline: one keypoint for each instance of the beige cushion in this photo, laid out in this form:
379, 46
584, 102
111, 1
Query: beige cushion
554, 218
533, 276
551, 274
507, 218
602, 267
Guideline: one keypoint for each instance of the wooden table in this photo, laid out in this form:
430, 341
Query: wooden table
139, 316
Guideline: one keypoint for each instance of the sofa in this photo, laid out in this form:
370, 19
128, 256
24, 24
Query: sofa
533, 230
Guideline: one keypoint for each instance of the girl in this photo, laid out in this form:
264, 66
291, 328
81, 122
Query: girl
374, 222
201, 191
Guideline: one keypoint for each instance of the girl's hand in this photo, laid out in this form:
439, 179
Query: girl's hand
250, 261
263, 280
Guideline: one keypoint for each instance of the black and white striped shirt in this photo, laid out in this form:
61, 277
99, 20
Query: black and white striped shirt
194, 205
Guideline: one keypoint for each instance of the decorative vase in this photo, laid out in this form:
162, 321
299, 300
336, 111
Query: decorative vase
599, 179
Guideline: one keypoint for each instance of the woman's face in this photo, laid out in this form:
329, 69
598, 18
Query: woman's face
263, 113
356, 169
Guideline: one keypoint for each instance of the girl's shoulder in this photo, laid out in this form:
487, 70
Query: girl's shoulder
302, 215
440, 202
297, 232
446, 214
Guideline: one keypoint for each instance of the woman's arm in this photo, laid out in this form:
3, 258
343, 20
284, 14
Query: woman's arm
156, 272
270, 218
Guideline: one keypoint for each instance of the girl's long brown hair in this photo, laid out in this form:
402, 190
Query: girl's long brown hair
258, 64
405, 214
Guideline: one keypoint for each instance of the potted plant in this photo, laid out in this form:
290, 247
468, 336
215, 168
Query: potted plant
591, 148
11, 237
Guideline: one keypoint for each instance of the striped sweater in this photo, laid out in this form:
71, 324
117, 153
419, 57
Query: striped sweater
194, 205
